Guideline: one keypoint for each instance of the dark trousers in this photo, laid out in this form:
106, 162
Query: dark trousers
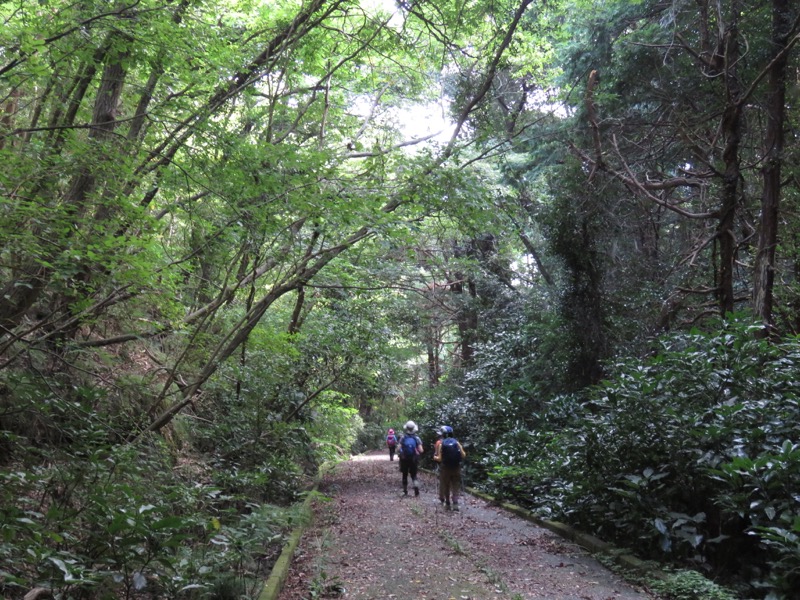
409, 466
391, 452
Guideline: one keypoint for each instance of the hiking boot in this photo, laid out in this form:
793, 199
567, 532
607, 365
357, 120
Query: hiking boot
405, 491
416, 491
455, 507
447, 506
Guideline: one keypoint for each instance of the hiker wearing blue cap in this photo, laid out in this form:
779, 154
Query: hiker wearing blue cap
449, 455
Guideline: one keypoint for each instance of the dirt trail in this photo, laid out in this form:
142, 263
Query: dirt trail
371, 542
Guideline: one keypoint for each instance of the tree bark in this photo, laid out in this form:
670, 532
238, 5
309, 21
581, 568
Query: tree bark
295, 321
732, 132
764, 275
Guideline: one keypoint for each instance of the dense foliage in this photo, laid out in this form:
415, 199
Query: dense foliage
689, 456
709, 474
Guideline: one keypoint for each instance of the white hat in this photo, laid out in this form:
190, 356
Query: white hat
410, 427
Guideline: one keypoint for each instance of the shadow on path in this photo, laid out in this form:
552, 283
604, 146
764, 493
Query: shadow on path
368, 541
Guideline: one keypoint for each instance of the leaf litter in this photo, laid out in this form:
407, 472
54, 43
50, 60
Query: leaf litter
370, 542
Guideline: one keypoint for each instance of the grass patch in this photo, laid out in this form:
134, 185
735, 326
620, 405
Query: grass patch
453, 544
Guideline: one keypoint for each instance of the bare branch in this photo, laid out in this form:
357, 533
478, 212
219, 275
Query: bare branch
765, 71
632, 181
487, 81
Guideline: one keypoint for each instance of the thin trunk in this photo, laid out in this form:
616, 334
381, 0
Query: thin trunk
251, 296
294, 324
9, 112
764, 276
78, 200
543, 271
104, 121
22, 291
137, 122
732, 127
37, 111
467, 320
434, 366
75, 98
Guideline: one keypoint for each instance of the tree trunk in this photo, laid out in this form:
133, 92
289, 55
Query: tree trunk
28, 279
296, 320
466, 320
732, 132
764, 275
434, 366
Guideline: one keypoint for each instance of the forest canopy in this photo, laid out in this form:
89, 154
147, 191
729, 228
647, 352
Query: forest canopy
244, 237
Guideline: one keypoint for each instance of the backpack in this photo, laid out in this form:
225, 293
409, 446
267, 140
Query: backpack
451, 455
408, 446
391, 440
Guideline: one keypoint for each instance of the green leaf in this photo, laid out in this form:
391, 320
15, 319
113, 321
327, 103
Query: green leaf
172, 522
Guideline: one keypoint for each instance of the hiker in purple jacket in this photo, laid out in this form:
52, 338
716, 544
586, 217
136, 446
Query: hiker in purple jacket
391, 443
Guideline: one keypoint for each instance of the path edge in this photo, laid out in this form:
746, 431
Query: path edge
280, 570
591, 543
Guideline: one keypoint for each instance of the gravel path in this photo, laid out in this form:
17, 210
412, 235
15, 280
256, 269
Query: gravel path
371, 542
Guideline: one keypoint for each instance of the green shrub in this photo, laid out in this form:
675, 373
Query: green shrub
690, 585
371, 437
333, 426
690, 456
88, 515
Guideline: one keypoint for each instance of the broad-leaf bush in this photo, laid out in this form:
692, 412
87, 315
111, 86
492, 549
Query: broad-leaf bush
690, 456
501, 395
89, 517
524, 465
371, 436
689, 585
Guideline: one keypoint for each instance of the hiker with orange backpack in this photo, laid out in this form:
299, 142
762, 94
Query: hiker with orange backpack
409, 448
449, 455
391, 443
439, 438
436, 445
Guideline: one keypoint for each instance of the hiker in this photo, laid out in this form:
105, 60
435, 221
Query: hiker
391, 443
409, 448
449, 455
